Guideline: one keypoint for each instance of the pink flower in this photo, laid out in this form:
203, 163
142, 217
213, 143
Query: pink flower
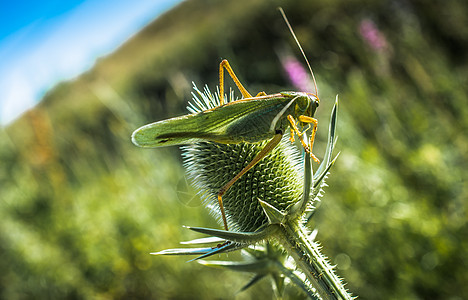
297, 74
373, 37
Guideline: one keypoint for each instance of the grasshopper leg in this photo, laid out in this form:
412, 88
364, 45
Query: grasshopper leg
267, 149
225, 65
291, 138
298, 132
307, 120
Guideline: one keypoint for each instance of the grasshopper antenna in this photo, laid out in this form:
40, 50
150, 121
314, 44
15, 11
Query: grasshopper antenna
300, 47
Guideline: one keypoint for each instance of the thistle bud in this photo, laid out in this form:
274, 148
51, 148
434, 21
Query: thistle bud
277, 179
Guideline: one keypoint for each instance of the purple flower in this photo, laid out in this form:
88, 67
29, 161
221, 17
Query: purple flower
297, 74
373, 37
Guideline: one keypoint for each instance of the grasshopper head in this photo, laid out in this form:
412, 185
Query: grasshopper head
306, 104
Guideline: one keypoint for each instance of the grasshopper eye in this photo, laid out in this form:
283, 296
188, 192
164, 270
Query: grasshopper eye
313, 98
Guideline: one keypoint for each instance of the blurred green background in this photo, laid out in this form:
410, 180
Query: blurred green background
81, 207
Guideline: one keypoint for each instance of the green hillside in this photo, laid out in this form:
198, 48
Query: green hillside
81, 207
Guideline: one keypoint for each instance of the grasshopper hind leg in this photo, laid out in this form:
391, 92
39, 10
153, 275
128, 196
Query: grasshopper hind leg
267, 149
225, 65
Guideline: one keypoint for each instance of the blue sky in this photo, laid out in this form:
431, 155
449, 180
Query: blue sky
44, 42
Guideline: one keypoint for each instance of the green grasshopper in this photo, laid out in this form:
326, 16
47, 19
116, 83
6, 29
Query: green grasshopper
248, 120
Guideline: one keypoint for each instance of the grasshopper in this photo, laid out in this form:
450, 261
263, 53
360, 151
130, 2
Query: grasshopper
247, 120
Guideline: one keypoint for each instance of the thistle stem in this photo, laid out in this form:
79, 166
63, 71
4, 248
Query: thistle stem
312, 262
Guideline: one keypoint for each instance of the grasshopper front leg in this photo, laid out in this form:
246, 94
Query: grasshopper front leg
307, 120
267, 149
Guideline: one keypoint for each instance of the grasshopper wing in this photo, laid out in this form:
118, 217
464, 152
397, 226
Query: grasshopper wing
179, 131
210, 125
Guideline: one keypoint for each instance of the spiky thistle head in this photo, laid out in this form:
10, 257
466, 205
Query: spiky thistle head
277, 179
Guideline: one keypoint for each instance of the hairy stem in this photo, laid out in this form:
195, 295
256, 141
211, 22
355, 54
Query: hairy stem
312, 262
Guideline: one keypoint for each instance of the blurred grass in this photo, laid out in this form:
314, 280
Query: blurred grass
81, 207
